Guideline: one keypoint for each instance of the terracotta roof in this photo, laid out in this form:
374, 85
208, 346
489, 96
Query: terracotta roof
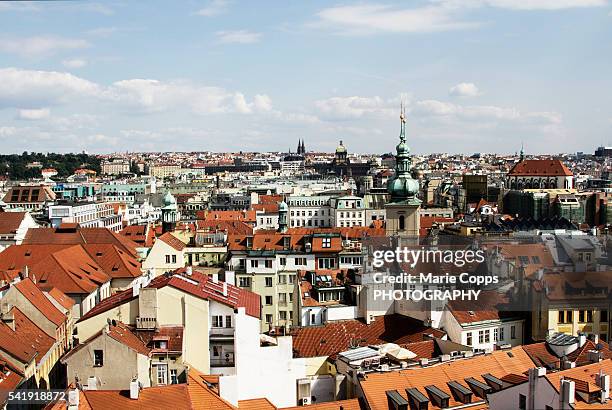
583, 376
230, 227
142, 235
32, 335
173, 241
173, 396
543, 356
246, 216
10, 221
256, 404
115, 262
202, 395
61, 298
10, 378
498, 363
489, 306
13, 344
172, 334
352, 404
267, 208
77, 236
540, 167
575, 285
29, 194
197, 284
37, 298
336, 337
119, 332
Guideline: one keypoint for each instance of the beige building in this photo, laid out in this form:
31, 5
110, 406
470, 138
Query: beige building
164, 170
115, 166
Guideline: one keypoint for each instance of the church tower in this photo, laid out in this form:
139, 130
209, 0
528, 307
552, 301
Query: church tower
403, 208
170, 213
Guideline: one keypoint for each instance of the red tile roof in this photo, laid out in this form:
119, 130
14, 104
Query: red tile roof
34, 337
543, 356
61, 298
30, 194
203, 397
197, 284
115, 262
174, 396
352, 404
10, 378
489, 306
77, 236
540, 167
173, 241
336, 337
172, 334
142, 235
230, 227
37, 298
246, 216
10, 222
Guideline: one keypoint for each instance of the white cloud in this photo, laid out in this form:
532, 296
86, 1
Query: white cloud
74, 63
39, 46
18, 6
214, 8
344, 108
526, 4
372, 18
464, 90
238, 36
434, 108
33, 89
437, 15
34, 114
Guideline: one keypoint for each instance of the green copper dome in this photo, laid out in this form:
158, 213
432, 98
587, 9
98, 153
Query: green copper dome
402, 187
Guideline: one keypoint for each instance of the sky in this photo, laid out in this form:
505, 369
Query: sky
223, 75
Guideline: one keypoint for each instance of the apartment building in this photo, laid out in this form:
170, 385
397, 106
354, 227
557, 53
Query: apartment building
13, 227
86, 214
310, 211
348, 211
115, 166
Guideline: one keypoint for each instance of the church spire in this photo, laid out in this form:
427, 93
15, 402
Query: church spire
522, 155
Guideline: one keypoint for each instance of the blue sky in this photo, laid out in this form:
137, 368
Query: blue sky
222, 75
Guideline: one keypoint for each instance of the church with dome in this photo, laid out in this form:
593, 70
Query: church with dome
403, 208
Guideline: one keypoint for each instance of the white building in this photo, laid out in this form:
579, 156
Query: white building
13, 227
86, 214
310, 211
349, 211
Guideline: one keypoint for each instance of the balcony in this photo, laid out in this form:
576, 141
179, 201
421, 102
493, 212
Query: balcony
146, 323
222, 362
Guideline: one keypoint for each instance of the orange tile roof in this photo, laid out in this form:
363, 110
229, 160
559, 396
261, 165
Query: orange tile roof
115, 262
498, 363
489, 306
352, 404
230, 227
32, 334
543, 356
540, 167
38, 299
246, 216
61, 298
336, 337
202, 395
10, 378
173, 241
256, 404
173, 396
57, 236
583, 376
10, 221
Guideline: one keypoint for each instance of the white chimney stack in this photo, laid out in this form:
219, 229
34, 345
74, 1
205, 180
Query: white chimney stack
215, 277
134, 390
603, 381
225, 289
568, 390
188, 270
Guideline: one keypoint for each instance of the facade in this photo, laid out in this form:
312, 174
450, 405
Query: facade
164, 170
14, 226
310, 211
349, 211
86, 214
29, 198
115, 166
539, 173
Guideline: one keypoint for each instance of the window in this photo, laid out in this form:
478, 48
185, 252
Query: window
603, 316
565, 316
468, 339
402, 223
98, 358
487, 335
326, 243
481, 336
291, 279
173, 258
282, 315
268, 300
269, 319
501, 334
254, 263
512, 332
268, 264
495, 335
522, 402
173, 376
217, 321
585, 316
300, 261
167, 258
282, 298
228, 321
162, 374
283, 261
244, 282
268, 282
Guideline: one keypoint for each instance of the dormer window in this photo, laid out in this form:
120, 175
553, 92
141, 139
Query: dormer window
326, 243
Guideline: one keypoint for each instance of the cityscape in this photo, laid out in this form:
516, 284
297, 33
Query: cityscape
288, 240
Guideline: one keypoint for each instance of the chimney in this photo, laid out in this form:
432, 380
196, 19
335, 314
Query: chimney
73, 399
215, 278
568, 389
7, 315
225, 289
594, 356
188, 270
581, 339
134, 389
603, 381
